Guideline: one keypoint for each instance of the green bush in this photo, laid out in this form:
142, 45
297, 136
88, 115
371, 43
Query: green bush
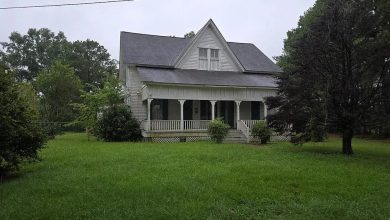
218, 130
117, 124
20, 137
262, 132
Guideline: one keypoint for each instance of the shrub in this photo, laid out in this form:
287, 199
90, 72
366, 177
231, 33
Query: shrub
117, 124
218, 130
20, 137
262, 132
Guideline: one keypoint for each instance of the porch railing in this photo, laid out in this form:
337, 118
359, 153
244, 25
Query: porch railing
243, 128
165, 125
196, 124
250, 123
175, 125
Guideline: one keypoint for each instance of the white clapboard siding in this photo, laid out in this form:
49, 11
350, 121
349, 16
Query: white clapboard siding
134, 100
208, 40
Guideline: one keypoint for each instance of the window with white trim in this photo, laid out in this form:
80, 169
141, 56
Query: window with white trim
203, 59
214, 59
208, 59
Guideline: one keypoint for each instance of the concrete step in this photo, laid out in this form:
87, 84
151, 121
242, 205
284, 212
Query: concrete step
235, 136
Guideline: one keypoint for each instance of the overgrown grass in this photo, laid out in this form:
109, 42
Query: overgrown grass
81, 179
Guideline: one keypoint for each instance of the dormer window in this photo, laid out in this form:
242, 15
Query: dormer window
203, 59
214, 59
208, 59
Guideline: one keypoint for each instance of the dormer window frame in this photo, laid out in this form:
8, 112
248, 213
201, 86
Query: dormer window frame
212, 58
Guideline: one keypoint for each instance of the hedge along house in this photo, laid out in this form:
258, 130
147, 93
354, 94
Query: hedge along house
177, 85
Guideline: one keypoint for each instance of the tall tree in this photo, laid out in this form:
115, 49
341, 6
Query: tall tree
334, 64
92, 63
29, 54
38, 49
59, 88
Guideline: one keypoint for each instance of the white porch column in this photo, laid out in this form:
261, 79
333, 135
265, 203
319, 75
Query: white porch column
213, 109
265, 110
149, 110
182, 114
238, 109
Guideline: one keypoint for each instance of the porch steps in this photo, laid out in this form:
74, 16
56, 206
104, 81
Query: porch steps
235, 136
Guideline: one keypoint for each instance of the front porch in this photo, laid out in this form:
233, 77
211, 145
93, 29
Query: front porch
190, 118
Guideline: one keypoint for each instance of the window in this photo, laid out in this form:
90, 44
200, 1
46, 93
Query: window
214, 54
214, 59
203, 60
208, 59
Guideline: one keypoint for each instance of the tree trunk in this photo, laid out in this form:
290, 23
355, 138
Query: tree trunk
347, 141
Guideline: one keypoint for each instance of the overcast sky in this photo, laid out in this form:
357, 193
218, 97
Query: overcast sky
262, 22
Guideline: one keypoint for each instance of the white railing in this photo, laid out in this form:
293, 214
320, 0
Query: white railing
243, 128
175, 125
196, 124
165, 125
250, 123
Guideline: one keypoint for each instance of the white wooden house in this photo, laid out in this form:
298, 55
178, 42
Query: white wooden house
177, 85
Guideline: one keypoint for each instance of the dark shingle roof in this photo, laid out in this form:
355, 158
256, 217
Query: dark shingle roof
252, 59
202, 77
153, 50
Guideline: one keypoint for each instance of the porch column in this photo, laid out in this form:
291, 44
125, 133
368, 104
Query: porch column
149, 110
182, 114
238, 109
265, 110
213, 109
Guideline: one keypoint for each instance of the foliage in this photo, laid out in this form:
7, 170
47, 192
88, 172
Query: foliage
39, 49
20, 137
117, 124
58, 87
94, 101
334, 65
189, 34
92, 63
35, 51
261, 131
218, 130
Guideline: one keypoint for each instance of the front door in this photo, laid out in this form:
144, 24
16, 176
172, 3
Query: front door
226, 112
187, 110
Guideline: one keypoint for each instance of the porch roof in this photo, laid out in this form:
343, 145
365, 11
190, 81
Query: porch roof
201, 77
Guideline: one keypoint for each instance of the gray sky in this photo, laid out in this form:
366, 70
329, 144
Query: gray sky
262, 22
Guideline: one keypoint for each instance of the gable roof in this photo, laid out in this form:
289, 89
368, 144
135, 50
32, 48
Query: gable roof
198, 35
200, 77
166, 51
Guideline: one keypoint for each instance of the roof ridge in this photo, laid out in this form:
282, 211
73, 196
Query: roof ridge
239, 42
152, 35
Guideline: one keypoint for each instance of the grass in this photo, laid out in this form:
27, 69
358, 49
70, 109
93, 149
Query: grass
81, 179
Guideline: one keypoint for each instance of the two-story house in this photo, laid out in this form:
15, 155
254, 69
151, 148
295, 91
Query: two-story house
177, 85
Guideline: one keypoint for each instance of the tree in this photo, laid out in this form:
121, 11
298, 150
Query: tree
334, 64
37, 50
20, 137
189, 34
58, 87
94, 101
92, 63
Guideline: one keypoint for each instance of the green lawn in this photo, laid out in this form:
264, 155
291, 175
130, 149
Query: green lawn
81, 179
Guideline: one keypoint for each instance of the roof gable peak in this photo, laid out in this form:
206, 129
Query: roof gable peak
210, 23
